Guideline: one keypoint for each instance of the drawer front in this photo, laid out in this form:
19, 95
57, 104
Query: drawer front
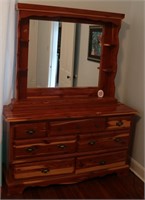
101, 162
32, 130
103, 142
77, 126
118, 122
92, 125
48, 147
44, 169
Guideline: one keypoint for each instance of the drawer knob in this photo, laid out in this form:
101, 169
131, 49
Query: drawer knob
45, 171
118, 140
92, 142
102, 162
30, 132
119, 123
61, 146
31, 149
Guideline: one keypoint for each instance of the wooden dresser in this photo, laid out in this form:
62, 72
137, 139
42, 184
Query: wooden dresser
67, 142
66, 135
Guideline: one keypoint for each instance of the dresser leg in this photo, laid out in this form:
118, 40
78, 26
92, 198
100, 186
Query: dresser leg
14, 190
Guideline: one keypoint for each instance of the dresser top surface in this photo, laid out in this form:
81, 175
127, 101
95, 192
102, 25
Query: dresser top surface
53, 109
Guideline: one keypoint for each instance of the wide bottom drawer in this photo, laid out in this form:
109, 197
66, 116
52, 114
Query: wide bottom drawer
41, 169
101, 162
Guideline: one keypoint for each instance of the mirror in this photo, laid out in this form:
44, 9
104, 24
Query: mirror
28, 85
58, 55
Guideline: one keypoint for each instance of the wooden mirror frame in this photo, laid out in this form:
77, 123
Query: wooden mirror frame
110, 46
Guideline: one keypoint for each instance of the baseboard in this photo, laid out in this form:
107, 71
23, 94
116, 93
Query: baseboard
137, 169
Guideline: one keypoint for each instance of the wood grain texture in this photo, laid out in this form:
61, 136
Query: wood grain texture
66, 135
110, 45
63, 109
82, 166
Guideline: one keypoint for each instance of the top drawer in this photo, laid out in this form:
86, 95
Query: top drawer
118, 122
30, 130
77, 126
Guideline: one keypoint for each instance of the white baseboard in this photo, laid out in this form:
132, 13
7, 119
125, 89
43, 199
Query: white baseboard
137, 169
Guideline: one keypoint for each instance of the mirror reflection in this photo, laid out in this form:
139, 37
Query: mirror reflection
58, 54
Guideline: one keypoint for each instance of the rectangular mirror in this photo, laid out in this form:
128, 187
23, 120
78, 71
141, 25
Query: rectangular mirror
58, 54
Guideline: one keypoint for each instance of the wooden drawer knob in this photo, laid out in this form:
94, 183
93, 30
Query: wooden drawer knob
119, 123
45, 171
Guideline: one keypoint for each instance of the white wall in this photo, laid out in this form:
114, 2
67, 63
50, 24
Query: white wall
7, 61
133, 93
129, 79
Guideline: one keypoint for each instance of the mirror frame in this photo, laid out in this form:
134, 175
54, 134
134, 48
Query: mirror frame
110, 46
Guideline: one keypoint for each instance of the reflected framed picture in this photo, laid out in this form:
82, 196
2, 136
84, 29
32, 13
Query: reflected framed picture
95, 41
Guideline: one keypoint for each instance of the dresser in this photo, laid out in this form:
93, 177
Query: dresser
66, 135
62, 145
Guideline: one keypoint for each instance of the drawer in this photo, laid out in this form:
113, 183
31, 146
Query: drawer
108, 161
77, 126
30, 130
118, 122
44, 169
103, 142
92, 125
62, 145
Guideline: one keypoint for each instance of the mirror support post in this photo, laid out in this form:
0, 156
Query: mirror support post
22, 59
